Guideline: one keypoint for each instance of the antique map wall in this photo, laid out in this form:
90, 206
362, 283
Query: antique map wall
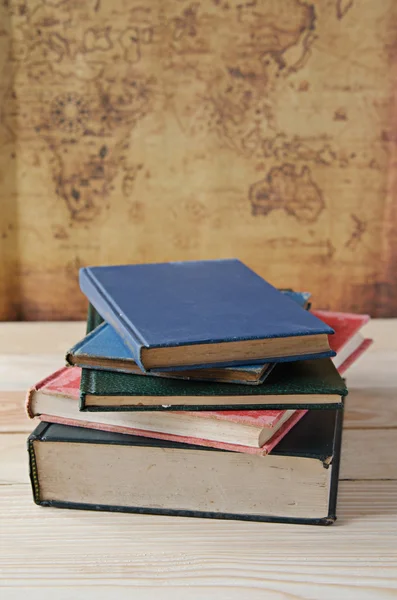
170, 129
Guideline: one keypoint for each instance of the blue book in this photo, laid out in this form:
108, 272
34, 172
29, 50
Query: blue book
102, 348
185, 315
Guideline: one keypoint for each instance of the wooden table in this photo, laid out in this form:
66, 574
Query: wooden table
62, 554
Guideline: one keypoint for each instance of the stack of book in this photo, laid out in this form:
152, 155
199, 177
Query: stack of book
199, 390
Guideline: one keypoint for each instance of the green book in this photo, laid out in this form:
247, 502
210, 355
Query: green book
301, 384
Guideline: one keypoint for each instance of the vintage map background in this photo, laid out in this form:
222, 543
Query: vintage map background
170, 129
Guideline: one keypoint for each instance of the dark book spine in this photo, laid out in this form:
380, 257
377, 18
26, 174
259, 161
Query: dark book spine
336, 463
187, 513
111, 313
33, 474
93, 319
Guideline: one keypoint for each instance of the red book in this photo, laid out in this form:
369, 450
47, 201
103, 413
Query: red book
347, 341
56, 400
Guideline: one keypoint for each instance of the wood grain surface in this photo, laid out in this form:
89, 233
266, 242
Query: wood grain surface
64, 554
181, 129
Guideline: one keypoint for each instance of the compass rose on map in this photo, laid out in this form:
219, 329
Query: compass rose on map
69, 112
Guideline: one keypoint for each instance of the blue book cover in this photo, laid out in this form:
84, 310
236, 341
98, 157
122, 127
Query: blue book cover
202, 314
103, 348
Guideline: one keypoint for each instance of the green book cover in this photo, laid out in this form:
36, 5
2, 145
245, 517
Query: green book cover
301, 384
94, 319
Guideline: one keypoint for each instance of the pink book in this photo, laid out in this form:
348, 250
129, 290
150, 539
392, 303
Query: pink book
347, 341
55, 399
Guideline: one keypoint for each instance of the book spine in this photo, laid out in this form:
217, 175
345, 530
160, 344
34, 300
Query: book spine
33, 474
173, 512
84, 385
333, 494
111, 313
82, 406
94, 319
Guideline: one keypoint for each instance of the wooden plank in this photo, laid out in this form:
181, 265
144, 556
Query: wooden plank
20, 372
119, 550
374, 370
369, 454
371, 408
13, 418
193, 590
39, 338
16, 468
